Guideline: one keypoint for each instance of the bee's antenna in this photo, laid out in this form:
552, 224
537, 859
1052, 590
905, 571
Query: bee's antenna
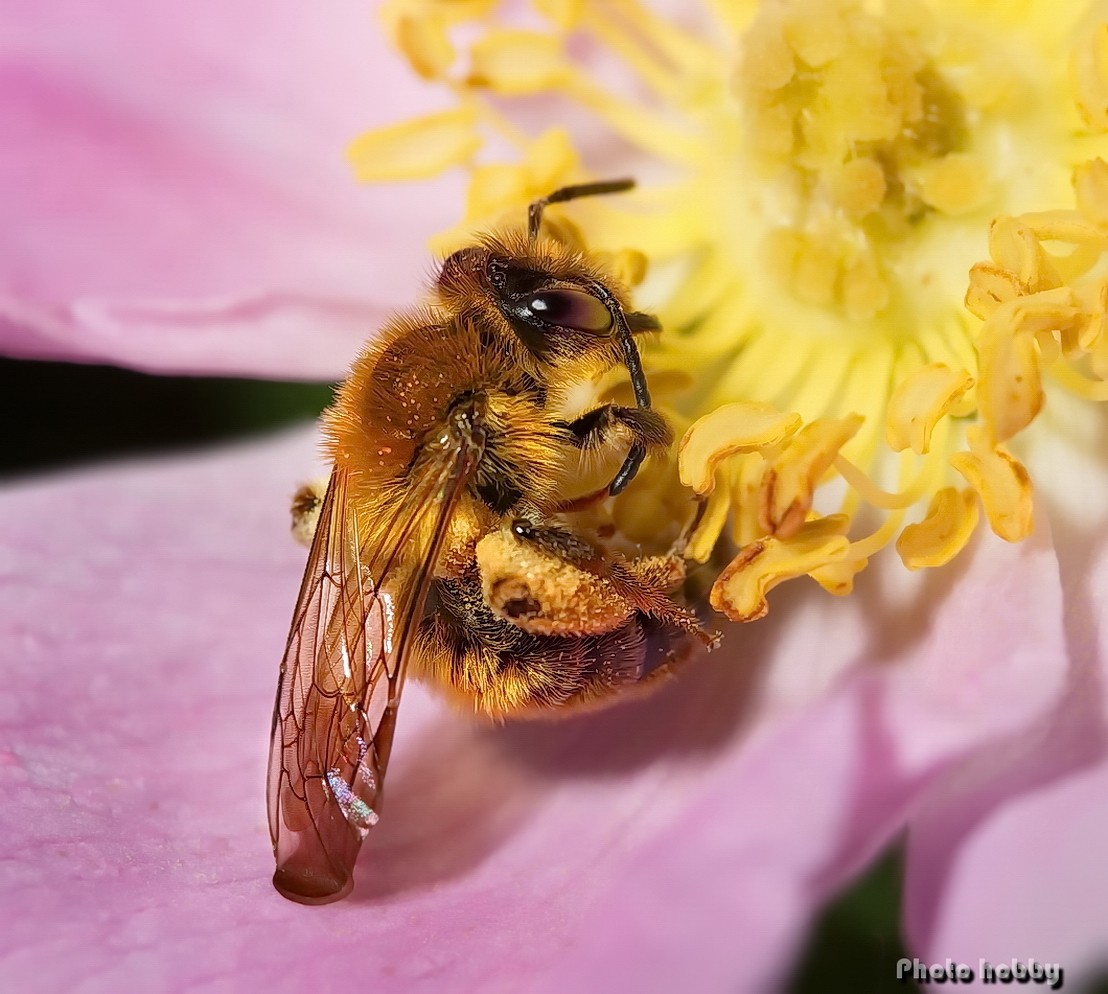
633, 362
534, 212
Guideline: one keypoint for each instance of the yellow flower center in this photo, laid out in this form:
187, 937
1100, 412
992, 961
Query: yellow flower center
854, 138
819, 179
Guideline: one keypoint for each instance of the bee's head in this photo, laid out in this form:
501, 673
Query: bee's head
552, 313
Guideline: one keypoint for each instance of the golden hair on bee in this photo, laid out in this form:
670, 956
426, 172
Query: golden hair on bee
453, 536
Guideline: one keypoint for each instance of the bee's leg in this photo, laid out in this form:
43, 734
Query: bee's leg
306, 504
648, 430
677, 550
647, 584
559, 542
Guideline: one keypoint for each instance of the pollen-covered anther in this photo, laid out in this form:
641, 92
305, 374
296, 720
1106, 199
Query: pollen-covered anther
791, 479
548, 162
1090, 334
703, 539
944, 531
741, 589
423, 146
502, 191
918, 403
1070, 226
1002, 483
426, 44
517, 63
1014, 247
628, 265
406, 18
954, 184
1010, 392
727, 431
856, 125
990, 286
837, 578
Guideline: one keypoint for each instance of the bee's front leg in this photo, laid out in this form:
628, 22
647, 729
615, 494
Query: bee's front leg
648, 429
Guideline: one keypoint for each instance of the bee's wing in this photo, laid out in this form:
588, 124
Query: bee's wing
343, 671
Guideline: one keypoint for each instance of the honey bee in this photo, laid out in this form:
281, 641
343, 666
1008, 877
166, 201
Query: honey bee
443, 543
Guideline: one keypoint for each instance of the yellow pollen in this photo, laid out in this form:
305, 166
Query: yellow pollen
855, 136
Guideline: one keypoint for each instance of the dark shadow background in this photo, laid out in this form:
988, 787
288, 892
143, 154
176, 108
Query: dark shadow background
57, 415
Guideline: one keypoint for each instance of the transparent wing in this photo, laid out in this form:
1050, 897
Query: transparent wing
343, 671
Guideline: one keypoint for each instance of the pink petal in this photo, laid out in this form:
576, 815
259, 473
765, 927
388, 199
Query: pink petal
174, 187
683, 839
1011, 857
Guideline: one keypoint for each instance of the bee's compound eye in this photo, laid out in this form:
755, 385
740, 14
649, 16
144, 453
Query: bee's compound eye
576, 309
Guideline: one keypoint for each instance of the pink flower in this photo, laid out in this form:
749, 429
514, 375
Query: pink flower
176, 200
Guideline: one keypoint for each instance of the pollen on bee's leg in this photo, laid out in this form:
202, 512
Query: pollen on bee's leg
543, 594
512, 597
305, 508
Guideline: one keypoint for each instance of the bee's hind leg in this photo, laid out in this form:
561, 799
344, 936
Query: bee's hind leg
559, 542
646, 583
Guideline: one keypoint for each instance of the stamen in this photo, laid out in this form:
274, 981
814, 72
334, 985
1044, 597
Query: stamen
1084, 386
943, 533
658, 76
874, 495
919, 402
426, 44
863, 548
824, 198
423, 146
740, 592
565, 14
517, 63
684, 51
728, 431
790, 483
1001, 482
643, 128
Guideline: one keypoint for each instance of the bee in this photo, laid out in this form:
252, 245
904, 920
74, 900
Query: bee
443, 543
